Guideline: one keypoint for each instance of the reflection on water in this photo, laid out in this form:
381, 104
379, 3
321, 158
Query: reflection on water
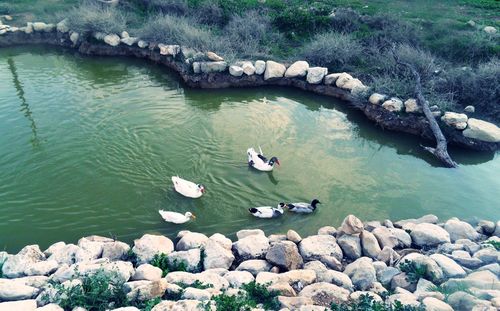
116, 129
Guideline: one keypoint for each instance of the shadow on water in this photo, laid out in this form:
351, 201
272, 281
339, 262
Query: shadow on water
25, 108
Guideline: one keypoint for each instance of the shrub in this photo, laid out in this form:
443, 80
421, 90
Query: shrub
346, 20
209, 13
132, 257
334, 50
161, 261
92, 17
495, 244
414, 271
98, 292
261, 295
148, 305
367, 303
176, 7
170, 29
447, 291
302, 19
251, 295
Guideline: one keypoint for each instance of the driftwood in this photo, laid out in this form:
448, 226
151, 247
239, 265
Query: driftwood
441, 150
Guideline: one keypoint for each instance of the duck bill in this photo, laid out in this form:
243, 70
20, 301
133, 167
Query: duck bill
193, 216
278, 162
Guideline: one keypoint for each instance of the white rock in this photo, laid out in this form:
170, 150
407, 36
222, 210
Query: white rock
209, 67
488, 255
252, 247
62, 26
235, 71
293, 236
254, 266
327, 230
385, 237
369, 244
15, 266
455, 120
129, 40
362, 273
393, 104
248, 232
191, 240
29, 28
260, 67
22, 305
482, 130
490, 29
147, 272
331, 78
411, 106
353, 84
74, 37
237, 278
470, 109
39, 26
51, 307
405, 299
315, 75
248, 68
357, 295
324, 294
426, 235
12, 290
350, 245
112, 39
273, 70
297, 69
342, 79
42, 268
460, 230
190, 258
214, 57
433, 304
142, 44
351, 225
149, 245
115, 250
197, 294
217, 256
124, 35
169, 50
315, 247
450, 268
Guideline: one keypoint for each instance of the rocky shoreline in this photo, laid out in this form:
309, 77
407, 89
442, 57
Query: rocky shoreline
208, 70
421, 263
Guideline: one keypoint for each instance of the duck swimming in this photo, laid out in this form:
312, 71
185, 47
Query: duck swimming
267, 211
187, 188
259, 161
176, 218
303, 208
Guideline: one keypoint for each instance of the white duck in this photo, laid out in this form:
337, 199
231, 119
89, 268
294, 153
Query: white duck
267, 211
303, 208
176, 218
187, 188
259, 162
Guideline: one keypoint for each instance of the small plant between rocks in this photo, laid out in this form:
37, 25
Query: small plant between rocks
367, 303
161, 261
251, 296
414, 271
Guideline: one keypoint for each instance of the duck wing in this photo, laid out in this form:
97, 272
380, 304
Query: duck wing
173, 217
262, 212
303, 208
186, 187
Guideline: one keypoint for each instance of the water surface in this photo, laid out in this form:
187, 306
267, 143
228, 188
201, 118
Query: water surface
88, 145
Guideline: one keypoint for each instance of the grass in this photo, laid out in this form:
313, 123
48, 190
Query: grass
413, 270
367, 303
251, 295
161, 261
448, 291
495, 244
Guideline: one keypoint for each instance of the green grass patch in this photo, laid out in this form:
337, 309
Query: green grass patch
161, 261
251, 295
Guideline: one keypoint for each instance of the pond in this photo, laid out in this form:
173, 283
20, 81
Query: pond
88, 146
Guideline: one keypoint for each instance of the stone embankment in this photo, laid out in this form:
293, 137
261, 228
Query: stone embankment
449, 265
209, 70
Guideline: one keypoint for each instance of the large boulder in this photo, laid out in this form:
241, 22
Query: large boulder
190, 259
260, 67
149, 245
433, 304
429, 235
480, 279
403, 237
325, 294
342, 79
450, 268
169, 50
216, 255
146, 290
460, 230
248, 68
285, 255
369, 244
488, 255
377, 99
351, 225
15, 266
251, 247
455, 120
293, 236
315, 75
316, 247
362, 273
385, 237
388, 256
112, 39
42, 268
331, 78
115, 250
209, 67
482, 130
248, 232
393, 104
297, 69
147, 272
433, 271
273, 70
254, 266
235, 71
350, 245
238, 278
191, 240
24, 305
222, 240
411, 106
12, 290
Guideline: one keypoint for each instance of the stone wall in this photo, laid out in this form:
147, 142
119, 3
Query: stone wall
208, 70
336, 265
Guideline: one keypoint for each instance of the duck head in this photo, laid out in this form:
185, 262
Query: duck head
201, 188
190, 215
314, 202
274, 160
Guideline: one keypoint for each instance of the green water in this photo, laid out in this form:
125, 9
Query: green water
88, 146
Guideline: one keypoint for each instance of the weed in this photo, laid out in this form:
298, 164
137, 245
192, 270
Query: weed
91, 17
447, 291
132, 257
367, 303
251, 295
148, 305
495, 244
414, 271
161, 261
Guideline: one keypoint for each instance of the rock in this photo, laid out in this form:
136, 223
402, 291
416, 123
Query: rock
37, 281
342, 79
353, 84
142, 44
464, 259
405, 299
190, 258
112, 39
294, 303
327, 230
315, 75
297, 69
62, 26
147, 272
401, 281
385, 237
39, 26
370, 225
149, 245
248, 232
66, 253
237, 278
260, 67
181, 305
482, 130
376, 98
191, 240
403, 237
222, 240
12, 290
24, 305
147, 290
486, 227
455, 120
386, 275
285, 255
284, 289
497, 230
251, 247
356, 296
494, 268
337, 278
432, 270
393, 104
214, 57
16, 265
432, 219
129, 41
209, 67
273, 70
235, 71
350, 245
217, 256
470, 109
362, 273
317, 246
254, 266
490, 30
115, 250
52, 307
468, 245
293, 236
369, 244
450, 268
388, 256
324, 294
411, 106
427, 235
379, 266
462, 301
460, 230
480, 279
197, 67
169, 50
74, 37
331, 78
488, 255
42, 268
351, 225
197, 294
